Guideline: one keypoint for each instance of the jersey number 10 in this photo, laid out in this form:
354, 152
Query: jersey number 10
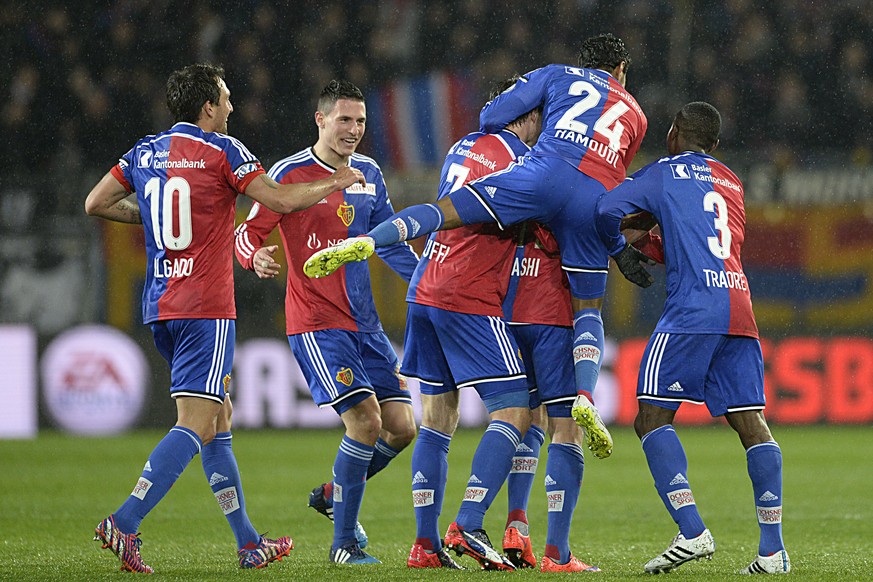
162, 210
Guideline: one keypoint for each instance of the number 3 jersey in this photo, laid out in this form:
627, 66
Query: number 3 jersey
698, 203
345, 299
589, 120
186, 182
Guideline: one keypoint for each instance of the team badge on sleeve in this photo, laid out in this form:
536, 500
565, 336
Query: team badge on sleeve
346, 212
345, 376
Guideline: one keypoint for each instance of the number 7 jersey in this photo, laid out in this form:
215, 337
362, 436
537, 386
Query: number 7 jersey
186, 183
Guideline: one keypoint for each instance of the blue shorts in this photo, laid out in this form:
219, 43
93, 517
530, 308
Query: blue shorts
343, 368
553, 192
547, 351
200, 354
446, 350
724, 371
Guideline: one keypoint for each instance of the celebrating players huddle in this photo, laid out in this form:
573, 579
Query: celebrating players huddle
505, 299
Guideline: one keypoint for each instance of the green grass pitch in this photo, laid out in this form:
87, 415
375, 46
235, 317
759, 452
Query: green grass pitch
56, 488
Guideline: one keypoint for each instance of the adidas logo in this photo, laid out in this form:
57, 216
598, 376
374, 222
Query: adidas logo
550, 481
679, 478
216, 478
491, 190
415, 226
675, 387
587, 336
768, 496
474, 479
418, 478
523, 448
148, 466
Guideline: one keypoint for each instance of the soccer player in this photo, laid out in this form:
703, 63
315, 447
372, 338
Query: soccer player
332, 324
592, 128
538, 310
705, 347
456, 337
186, 181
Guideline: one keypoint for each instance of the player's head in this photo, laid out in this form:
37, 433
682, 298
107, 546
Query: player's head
527, 126
341, 118
696, 127
606, 52
197, 94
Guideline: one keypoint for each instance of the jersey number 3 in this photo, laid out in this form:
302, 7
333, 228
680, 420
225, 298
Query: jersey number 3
162, 204
719, 245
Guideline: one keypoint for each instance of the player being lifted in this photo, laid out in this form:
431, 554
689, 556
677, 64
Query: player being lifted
705, 347
186, 181
332, 324
592, 128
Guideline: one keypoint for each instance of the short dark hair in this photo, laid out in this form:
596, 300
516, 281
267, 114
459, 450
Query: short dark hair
699, 123
604, 51
189, 88
336, 90
502, 86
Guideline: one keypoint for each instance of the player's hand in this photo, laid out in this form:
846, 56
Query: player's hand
345, 176
264, 265
628, 261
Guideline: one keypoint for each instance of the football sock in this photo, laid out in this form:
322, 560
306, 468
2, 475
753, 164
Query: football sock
521, 476
587, 348
222, 472
669, 467
491, 464
564, 469
409, 223
430, 469
764, 462
349, 481
382, 455
166, 462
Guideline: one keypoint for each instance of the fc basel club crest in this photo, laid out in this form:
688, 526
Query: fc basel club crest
346, 212
226, 382
345, 376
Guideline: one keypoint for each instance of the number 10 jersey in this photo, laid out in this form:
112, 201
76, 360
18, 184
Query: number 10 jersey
186, 182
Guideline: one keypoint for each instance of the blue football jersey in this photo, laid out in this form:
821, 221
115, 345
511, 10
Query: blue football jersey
698, 203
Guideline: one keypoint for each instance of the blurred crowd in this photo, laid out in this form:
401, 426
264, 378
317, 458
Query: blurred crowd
82, 80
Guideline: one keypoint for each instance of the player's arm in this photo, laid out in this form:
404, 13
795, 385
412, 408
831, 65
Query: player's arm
108, 199
249, 239
400, 257
528, 93
286, 198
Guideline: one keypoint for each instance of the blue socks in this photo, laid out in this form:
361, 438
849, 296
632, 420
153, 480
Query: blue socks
564, 469
521, 476
382, 455
430, 469
166, 462
222, 472
413, 222
491, 464
764, 462
669, 467
350, 472
587, 348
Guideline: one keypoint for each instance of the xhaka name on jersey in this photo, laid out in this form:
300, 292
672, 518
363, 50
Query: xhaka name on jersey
725, 279
526, 267
435, 251
169, 269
